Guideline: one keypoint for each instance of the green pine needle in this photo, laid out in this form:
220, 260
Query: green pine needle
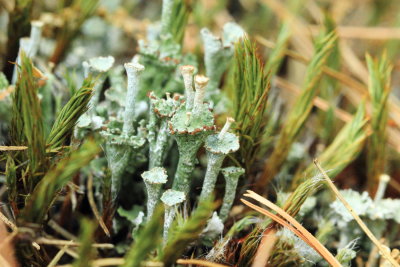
379, 90
249, 93
27, 124
278, 53
68, 117
343, 150
300, 111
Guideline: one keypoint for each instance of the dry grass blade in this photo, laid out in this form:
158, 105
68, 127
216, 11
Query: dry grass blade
371, 236
13, 148
293, 225
58, 256
93, 206
70, 243
359, 32
199, 263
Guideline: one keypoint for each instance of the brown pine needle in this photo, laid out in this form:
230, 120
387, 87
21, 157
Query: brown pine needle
93, 206
199, 263
292, 225
13, 148
356, 217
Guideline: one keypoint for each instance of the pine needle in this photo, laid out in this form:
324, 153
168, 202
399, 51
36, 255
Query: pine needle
344, 148
278, 52
180, 15
248, 90
27, 123
379, 90
298, 114
69, 115
13, 148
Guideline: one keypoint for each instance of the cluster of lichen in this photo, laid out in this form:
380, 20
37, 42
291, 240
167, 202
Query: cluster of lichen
149, 131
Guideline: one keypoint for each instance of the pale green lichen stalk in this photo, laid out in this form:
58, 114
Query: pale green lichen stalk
166, 15
190, 129
121, 145
187, 74
171, 200
200, 83
154, 180
158, 135
231, 175
133, 71
383, 182
218, 53
217, 146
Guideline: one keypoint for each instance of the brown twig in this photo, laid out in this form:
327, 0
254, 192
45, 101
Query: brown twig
13, 148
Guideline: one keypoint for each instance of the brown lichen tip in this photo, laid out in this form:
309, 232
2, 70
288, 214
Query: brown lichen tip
187, 69
136, 67
200, 81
